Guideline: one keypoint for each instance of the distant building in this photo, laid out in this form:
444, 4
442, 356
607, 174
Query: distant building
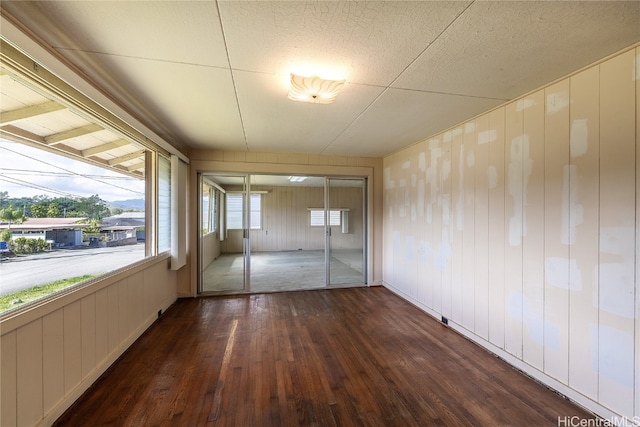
126, 222
135, 219
61, 232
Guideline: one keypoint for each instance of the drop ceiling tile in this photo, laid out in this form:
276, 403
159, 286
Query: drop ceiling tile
192, 103
172, 31
365, 42
275, 123
400, 117
505, 49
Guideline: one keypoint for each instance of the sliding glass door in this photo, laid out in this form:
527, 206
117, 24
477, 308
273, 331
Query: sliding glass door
346, 227
267, 233
224, 238
287, 251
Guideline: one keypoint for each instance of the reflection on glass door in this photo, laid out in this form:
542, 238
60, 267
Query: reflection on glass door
287, 248
346, 227
223, 233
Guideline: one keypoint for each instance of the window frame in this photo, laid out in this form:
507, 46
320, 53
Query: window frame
334, 215
231, 223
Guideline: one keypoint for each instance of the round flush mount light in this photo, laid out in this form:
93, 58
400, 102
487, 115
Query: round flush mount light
314, 89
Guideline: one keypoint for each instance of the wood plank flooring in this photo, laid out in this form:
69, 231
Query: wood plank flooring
341, 357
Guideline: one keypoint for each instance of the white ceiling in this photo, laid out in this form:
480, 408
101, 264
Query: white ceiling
212, 74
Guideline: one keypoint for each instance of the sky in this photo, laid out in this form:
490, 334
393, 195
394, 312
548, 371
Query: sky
26, 172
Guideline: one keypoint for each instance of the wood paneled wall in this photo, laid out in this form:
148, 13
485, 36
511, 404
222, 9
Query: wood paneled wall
50, 355
286, 220
520, 227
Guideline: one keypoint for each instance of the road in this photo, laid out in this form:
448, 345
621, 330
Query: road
25, 272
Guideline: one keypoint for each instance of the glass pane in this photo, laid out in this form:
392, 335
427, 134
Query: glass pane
63, 222
287, 253
164, 204
346, 241
222, 244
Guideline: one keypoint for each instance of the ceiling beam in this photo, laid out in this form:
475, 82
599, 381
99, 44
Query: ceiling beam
104, 147
135, 167
125, 158
57, 138
11, 131
9, 117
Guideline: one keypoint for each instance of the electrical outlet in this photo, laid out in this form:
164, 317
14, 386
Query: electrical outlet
445, 320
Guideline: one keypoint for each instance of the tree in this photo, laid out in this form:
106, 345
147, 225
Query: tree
4, 197
94, 226
53, 211
5, 235
93, 207
116, 211
39, 210
12, 215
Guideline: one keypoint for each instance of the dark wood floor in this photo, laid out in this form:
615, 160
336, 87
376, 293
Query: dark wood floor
342, 357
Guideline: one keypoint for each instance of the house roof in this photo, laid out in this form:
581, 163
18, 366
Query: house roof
48, 224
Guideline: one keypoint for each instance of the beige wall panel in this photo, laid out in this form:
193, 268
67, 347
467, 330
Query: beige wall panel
102, 324
29, 374
389, 185
445, 208
458, 213
434, 212
514, 145
533, 107
113, 322
408, 264
617, 233
496, 236
88, 331
481, 238
139, 306
420, 228
388, 223
556, 232
72, 346
124, 311
637, 277
402, 224
8, 379
468, 235
583, 233
53, 359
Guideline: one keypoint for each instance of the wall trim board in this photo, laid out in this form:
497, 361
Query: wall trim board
545, 380
102, 367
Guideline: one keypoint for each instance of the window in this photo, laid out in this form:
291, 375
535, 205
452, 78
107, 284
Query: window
210, 196
164, 204
50, 204
81, 182
235, 208
317, 217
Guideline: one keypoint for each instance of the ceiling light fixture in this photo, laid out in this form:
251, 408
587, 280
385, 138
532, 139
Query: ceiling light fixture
314, 89
297, 178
